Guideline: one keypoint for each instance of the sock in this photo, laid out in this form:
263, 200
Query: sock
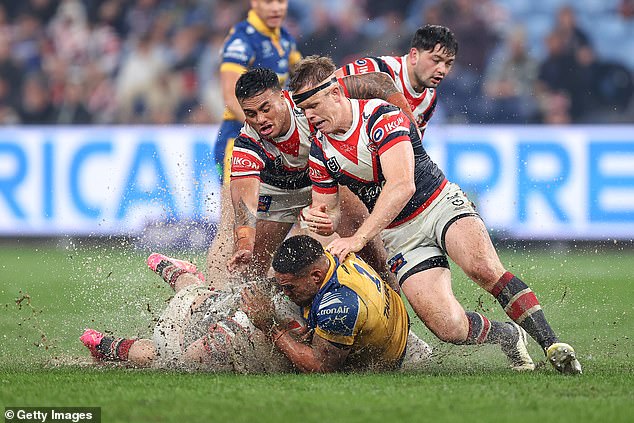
521, 305
485, 331
169, 272
115, 349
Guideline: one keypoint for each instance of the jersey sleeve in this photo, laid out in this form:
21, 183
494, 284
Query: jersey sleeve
237, 52
320, 177
246, 161
367, 65
387, 126
340, 315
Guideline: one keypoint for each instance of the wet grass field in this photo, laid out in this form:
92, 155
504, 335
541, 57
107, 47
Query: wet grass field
50, 293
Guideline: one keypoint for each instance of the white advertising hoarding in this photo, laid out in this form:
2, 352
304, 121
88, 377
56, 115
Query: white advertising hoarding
530, 182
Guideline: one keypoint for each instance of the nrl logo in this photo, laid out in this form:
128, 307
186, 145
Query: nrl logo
333, 165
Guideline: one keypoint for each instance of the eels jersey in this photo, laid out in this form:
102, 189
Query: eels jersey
422, 104
251, 44
353, 159
355, 308
281, 162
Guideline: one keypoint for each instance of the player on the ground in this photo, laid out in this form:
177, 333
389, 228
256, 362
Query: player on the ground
205, 329
355, 320
374, 149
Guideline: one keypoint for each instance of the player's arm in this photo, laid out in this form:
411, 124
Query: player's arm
320, 356
397, 164
244, 197
376, 85
228, 79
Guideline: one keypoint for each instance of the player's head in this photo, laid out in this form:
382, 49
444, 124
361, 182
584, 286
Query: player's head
300, 267
317, 91
261, 98
272, 12
432, 54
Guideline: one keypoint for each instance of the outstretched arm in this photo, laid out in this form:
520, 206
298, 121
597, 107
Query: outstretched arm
377, 85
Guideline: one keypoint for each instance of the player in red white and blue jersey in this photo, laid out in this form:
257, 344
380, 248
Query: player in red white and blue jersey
258, 41
415, 74
269, 176
374, 149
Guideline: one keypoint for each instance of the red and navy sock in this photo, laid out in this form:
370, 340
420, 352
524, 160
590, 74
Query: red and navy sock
485, 331
520, 304
115, 349
169, 272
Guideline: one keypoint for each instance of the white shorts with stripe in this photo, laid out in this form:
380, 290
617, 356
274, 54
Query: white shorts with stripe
282, 205
418, 244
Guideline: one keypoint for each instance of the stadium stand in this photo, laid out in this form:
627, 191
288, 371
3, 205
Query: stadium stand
155, 61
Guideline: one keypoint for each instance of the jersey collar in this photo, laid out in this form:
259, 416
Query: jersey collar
261, 27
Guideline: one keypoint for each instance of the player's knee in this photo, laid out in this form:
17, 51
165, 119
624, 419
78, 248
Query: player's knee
484, 271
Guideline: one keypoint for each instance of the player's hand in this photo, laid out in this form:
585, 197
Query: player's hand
240, 261
317, 220
259, 307
341, 247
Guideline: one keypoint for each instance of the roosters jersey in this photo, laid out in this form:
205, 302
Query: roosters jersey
252, 44
353, 159
281, 162
355, 308
422, 104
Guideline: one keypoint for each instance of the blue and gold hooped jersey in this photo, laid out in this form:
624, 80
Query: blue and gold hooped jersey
356, 308
252, 44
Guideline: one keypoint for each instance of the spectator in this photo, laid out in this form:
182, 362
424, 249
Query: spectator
509, 83
35, 107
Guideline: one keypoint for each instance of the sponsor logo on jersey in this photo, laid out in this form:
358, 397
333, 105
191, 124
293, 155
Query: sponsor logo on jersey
244, 163
264, 203
334, 310
396, 262
387, 127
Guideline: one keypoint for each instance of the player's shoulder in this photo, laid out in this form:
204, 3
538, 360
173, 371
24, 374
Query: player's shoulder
337, 310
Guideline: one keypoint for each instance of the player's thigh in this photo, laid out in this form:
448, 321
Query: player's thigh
196, 353
468, 244
430, 294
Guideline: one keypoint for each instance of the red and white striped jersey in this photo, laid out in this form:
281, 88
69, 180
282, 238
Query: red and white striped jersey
353, 159
281, 162
422, 104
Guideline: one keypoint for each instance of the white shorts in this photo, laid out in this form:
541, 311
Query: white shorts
282, 205
419, 243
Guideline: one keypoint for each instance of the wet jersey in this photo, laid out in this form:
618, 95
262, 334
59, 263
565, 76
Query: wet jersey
355, 308
422, 104
281, 162
252, 44
353, 159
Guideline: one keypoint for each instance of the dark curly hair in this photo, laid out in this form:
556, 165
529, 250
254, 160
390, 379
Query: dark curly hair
428, 36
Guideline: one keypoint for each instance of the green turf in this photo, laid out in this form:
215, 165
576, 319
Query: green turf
587, 296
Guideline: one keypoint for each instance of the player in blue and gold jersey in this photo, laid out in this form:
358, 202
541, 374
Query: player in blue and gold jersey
258, 41
355, 320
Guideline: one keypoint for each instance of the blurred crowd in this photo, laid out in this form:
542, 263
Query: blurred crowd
156, 61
